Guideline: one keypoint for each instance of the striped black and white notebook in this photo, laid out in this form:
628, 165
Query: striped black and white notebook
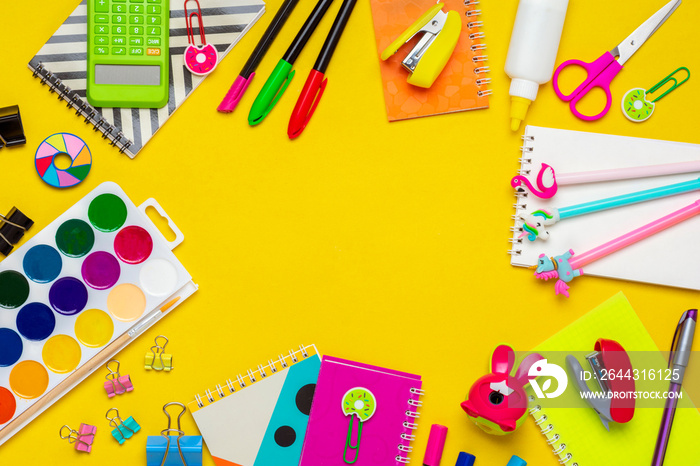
62, 65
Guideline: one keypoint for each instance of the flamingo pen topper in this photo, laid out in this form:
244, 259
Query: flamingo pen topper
547, 182
534, 223
566, 267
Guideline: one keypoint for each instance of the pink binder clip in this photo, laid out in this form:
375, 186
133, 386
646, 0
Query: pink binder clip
82, 438
116, 384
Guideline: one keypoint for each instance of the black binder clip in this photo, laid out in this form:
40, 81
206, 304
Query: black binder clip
11, 131
12, 228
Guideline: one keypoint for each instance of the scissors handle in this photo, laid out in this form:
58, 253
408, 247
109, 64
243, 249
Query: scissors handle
599, 73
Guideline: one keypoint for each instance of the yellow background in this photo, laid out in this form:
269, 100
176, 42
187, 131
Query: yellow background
384, 243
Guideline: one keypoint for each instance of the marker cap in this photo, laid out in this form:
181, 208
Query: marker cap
516, 461
465, 459
436, 442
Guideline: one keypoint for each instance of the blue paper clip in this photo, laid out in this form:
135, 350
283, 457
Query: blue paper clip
122, 429
186, 450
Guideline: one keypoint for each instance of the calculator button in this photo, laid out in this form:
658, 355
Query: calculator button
102, 18
135, 40
101, 6
118, 40
118, 8
153, 52
153, 31
118, 1
136, 1
153, 41
119, 19
153, 1
153, 9
154, 20
135, 51
118, 50
135, 19
118, 29
100, 50
101, 40
135, 8
136, 30
101, 29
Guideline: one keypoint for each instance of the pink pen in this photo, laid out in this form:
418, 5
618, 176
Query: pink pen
239, 86
567, 267
548, 182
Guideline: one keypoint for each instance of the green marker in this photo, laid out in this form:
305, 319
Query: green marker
282, 75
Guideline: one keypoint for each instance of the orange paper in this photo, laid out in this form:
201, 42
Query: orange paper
456, 88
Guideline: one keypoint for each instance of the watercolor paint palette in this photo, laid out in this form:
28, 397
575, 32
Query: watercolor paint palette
99, 270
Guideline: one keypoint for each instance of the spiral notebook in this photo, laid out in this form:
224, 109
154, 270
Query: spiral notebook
62, 65
666, 258
463, 83
365, 413
259, 419
576, 434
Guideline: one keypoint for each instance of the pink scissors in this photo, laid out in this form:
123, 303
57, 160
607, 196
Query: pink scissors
601, 72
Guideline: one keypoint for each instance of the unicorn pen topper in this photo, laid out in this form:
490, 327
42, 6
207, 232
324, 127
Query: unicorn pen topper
548, 182
535, 222
566, 267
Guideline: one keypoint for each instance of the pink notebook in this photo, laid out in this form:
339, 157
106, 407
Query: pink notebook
364, 413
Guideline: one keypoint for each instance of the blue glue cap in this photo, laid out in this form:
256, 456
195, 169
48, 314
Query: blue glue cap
465, 459
516, 461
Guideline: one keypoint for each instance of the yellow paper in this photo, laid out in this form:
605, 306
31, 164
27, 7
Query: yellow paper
580, 428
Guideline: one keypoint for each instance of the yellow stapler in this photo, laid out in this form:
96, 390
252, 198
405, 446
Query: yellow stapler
428, 58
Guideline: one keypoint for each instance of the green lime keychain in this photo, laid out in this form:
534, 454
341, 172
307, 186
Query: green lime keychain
635, 105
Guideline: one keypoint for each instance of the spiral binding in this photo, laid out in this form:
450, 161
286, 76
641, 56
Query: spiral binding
521, 203
232, 385
480, 58
407, 435
82, 108
554, 440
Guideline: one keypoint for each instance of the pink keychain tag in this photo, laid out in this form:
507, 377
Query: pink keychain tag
199, 59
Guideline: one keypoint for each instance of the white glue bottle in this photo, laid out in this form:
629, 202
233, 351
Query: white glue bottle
532, 51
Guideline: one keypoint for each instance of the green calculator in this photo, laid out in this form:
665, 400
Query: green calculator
128, 53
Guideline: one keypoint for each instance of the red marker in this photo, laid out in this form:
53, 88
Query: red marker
315, 83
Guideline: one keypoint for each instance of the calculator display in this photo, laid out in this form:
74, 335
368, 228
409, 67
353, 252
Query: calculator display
128, 54
142, 75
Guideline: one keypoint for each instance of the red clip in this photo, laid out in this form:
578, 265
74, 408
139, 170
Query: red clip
190, 28
616, 360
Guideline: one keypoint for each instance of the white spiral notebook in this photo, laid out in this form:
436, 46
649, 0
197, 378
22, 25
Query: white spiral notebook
260, 418
666, 258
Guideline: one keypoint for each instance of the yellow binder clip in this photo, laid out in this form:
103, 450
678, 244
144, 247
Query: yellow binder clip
156, 358
427, 59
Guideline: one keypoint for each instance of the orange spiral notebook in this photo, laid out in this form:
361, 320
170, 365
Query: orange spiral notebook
463, 83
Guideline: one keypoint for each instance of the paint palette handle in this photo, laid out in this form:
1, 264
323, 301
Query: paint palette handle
178, 234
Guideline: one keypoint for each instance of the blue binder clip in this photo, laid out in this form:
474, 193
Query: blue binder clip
122, 429
174, 450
